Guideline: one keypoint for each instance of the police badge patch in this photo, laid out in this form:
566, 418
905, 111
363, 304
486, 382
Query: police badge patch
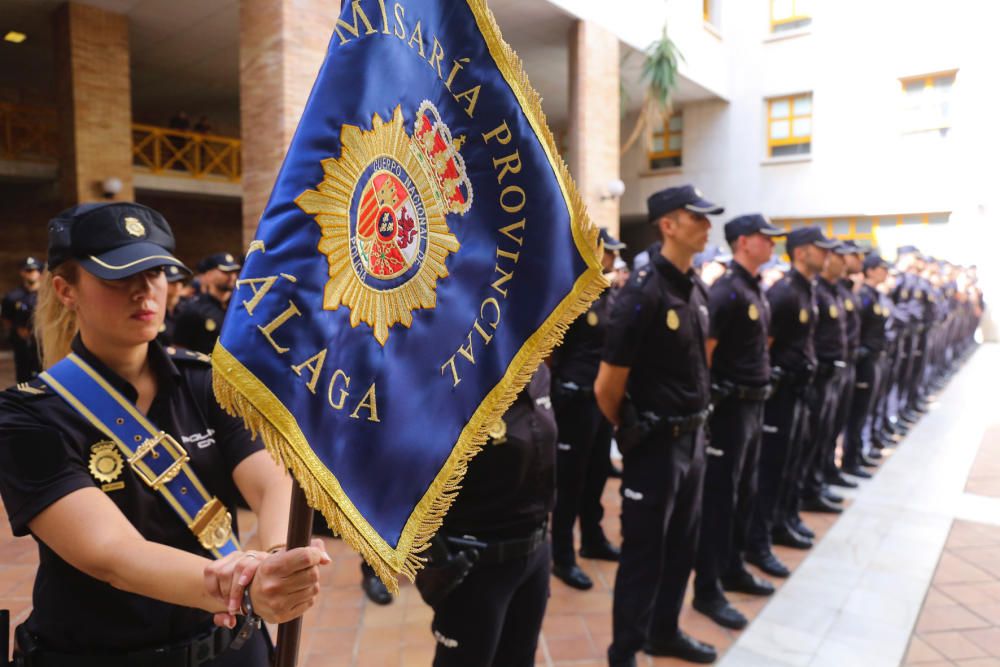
386, 255
106, 462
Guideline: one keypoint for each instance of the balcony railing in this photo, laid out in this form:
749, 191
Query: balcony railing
161, 150
28, 133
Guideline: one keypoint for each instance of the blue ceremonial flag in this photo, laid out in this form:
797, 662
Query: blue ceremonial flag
422, 251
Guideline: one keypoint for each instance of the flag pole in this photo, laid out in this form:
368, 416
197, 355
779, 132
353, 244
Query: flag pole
300, 519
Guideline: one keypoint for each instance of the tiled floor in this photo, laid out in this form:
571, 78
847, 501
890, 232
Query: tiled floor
854, 600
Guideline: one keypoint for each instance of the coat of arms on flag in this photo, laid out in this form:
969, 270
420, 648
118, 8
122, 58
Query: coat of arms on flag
422, 252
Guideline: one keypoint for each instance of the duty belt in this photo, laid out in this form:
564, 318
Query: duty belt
677, 426
746, 393
501, 551
193, 653
154, 455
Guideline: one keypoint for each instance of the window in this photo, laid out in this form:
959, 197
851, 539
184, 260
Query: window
927, 103
862, 229
789, 125
666, 149
710, 12
790, 14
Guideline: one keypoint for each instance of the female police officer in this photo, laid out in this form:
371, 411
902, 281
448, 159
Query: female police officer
126, 530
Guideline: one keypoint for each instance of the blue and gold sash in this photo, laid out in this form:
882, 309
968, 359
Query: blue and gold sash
154, 455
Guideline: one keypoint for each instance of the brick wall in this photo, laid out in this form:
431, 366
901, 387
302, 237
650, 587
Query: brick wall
201, 226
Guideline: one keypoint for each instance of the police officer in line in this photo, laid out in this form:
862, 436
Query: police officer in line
200, 320
853, 258
830, 342
793, 362
584, 449
653, 383
907, 302
487, 577
17, 312
176, 279
869, 366
741, 372
123, 578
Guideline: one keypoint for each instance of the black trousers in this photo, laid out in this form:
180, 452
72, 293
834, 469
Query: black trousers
493, 618
824, 398
582, 466
867, 372
662, 482
785, 415
730, 490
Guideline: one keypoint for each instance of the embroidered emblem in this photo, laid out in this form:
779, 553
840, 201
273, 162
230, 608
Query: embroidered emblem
229, 258
498, 432
753, 313
834, 313
804, 316
134, 227
106, 461
382, 209
210, 325
849, 306
592, 319
673, 322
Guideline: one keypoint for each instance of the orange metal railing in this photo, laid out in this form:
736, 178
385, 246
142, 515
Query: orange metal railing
28, 133
161, 150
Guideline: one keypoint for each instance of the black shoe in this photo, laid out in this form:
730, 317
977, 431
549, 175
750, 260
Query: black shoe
616, 472
769, 564
878, 443
909, 417
721, 612
375, 589
857, 471
573, 577
618, 661
821, 504
834, 498
601, 551
799, 526
787, 537
837, 479
874, 455
746, 582
683, 647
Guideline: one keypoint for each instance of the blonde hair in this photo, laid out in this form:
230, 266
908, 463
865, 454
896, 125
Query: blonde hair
55, 324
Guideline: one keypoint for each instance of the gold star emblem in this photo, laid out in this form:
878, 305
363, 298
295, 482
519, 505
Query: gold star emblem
849, 305
135, 228
834, 313
753, 313
804, 316
673, 322
592, 319
210, 325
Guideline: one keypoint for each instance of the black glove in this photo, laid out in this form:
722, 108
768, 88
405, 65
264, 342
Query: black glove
445, 571
721, 390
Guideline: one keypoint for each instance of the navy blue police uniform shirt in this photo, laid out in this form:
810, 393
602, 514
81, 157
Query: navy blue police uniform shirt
18, 308
659, 323
577, 359
831, 326
793, 322
510, 487
852, 314
875, 316
738, 319
198, 323
47, 451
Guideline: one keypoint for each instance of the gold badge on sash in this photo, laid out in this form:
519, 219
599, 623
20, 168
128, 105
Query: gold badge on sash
804, 316
106, 462
753, 313
498, 432
834, 313
210, 325
592, 319
673, 322
849, 306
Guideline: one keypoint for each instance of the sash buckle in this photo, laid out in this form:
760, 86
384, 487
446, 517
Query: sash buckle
213, 525
171, 448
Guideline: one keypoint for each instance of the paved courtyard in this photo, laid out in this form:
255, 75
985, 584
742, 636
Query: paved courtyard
908, 575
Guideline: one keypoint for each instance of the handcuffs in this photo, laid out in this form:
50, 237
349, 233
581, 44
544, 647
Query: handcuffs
251, 622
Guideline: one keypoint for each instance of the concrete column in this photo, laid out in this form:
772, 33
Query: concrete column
282, 45
93, 93
594, 119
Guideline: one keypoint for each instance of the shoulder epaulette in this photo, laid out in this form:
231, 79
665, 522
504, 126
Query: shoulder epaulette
181, 354
32, 388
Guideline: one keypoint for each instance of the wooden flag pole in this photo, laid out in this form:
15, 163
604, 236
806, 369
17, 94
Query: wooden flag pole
300, 520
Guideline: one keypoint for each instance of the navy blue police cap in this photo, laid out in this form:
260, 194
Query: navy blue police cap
685, 196
753, 223
32, 264
174, 274
875, 261
848, 248
907, 250
806, 236
611, 244
112, 240
223, 261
